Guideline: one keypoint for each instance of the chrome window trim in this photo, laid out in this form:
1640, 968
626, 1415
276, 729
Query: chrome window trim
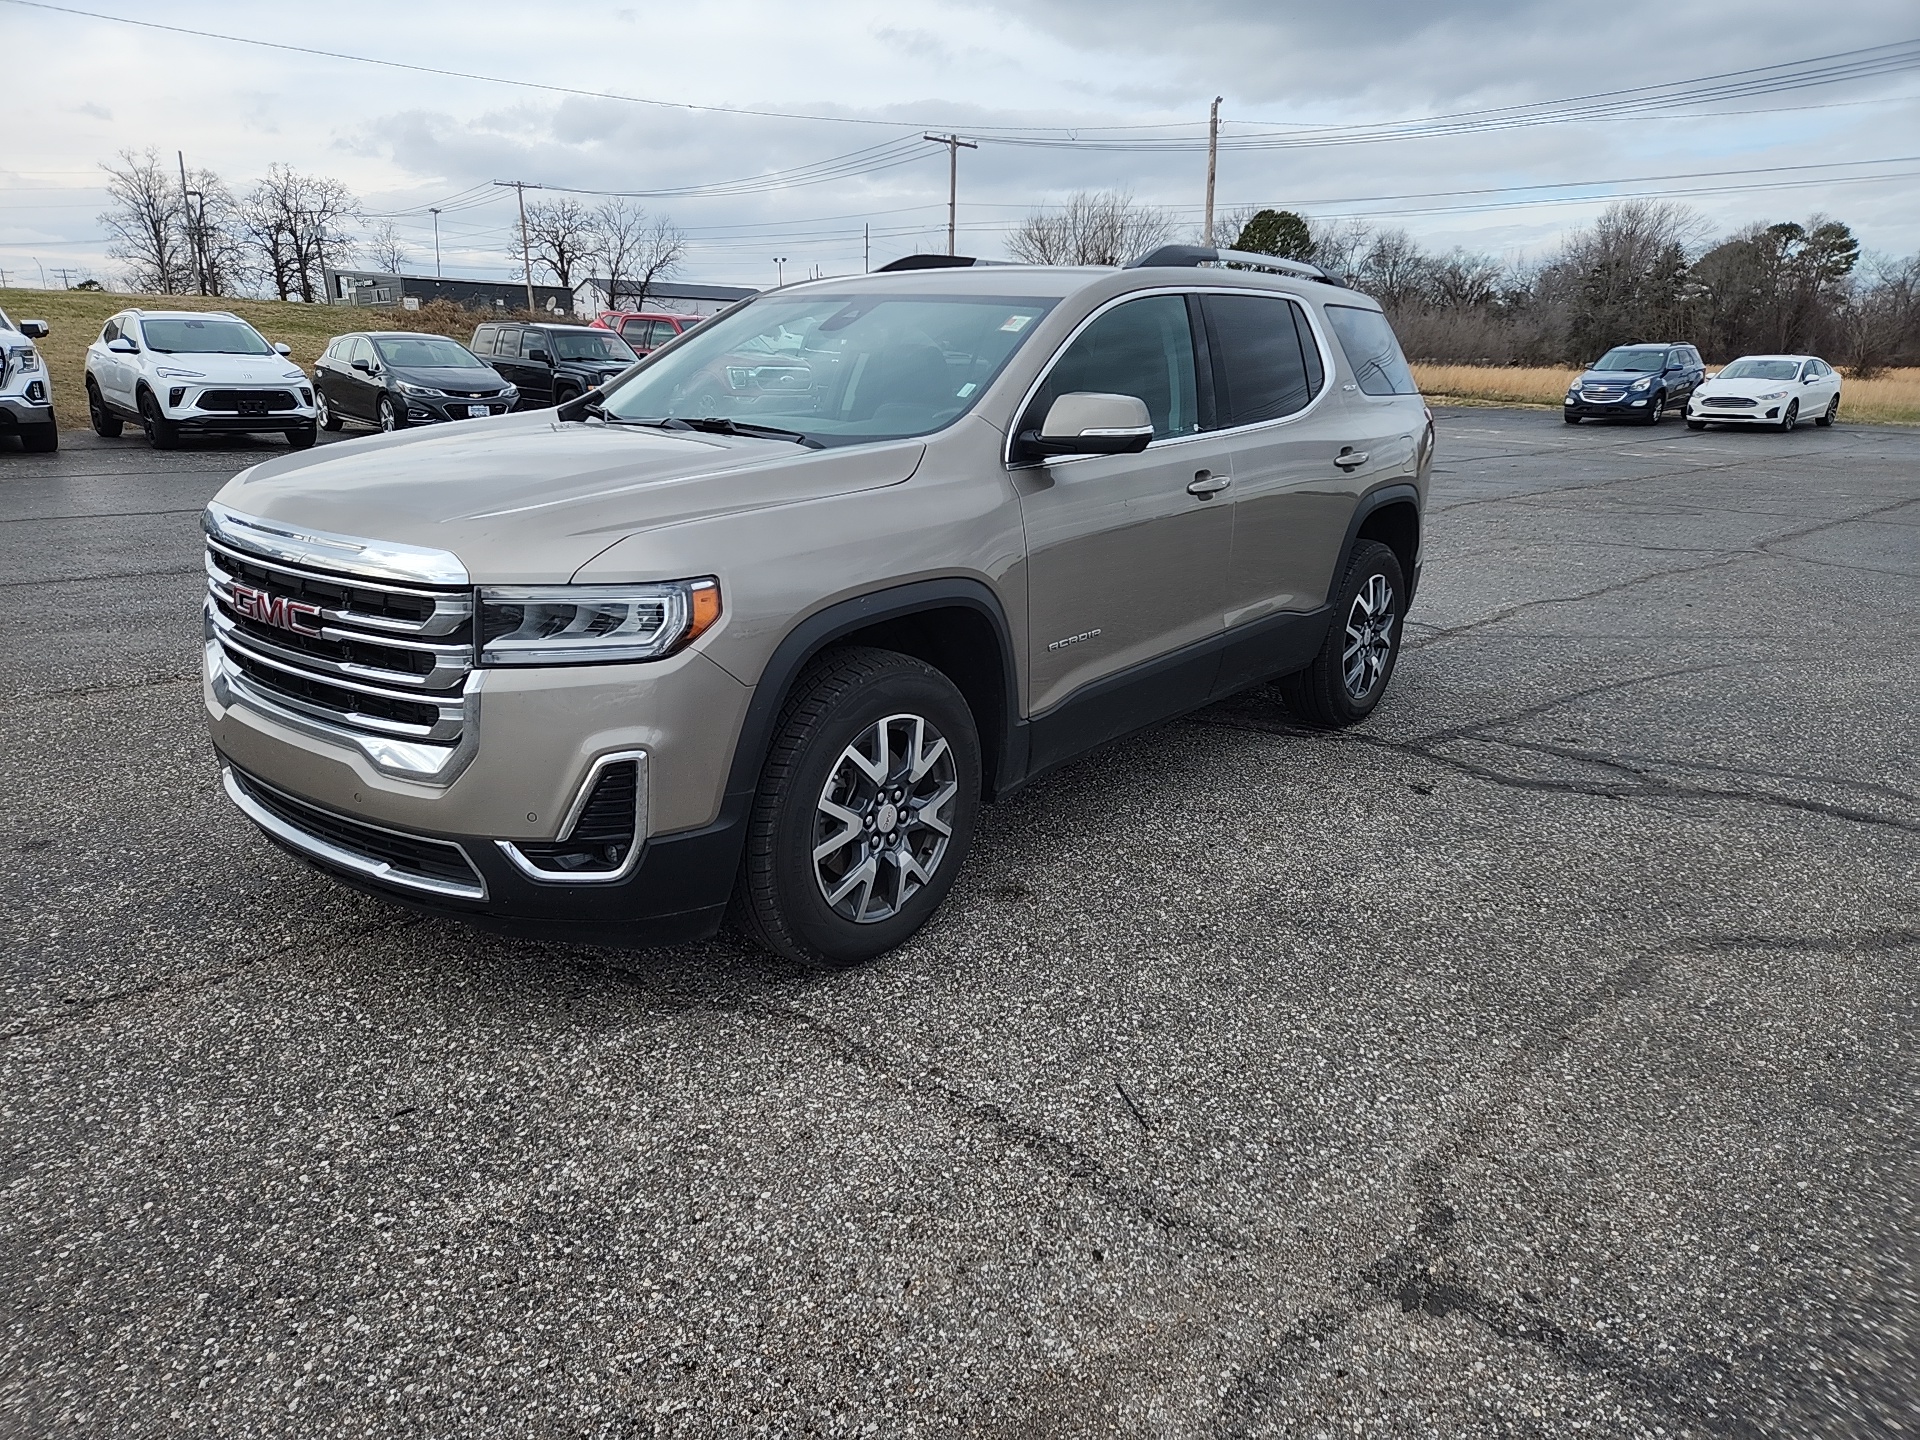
572, 818
1313, 326
325, 550
367, 865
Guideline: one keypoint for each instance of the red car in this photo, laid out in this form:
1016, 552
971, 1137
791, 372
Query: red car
645, 330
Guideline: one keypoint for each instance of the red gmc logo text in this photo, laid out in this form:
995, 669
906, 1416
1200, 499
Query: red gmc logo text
294, 615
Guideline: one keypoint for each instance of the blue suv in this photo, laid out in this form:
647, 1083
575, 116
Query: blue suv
1635, 382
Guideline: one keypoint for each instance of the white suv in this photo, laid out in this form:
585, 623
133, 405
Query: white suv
26, 402
179, 371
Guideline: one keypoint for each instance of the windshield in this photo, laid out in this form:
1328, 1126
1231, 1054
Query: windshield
1761, 370
427, 353
1626, 358
840, 369
5, 323
203, 337
590, 345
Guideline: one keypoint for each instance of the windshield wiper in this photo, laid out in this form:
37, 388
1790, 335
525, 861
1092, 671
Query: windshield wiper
719, 425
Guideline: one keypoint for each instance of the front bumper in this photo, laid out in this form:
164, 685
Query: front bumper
436, 410
183, 403
1768, 414
1632, 405
26, 409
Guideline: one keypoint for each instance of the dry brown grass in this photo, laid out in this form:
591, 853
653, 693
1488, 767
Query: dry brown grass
77, 315
1891, 397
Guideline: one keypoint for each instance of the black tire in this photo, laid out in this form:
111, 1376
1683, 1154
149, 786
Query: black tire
303, 439
843, 699
1791, 418
1656, 409
564, 394
1696, 424
327, 419
1830, 414
1570, 419
106, 424
1320, 695
162, 433
40, 439
389, 416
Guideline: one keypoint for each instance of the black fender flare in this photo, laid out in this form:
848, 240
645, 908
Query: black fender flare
1389, 492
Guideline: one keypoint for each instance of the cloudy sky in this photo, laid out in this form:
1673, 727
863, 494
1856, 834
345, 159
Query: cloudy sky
786, 128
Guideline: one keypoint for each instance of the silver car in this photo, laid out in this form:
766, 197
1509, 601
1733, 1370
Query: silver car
755, 627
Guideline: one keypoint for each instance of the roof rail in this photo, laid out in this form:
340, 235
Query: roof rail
931, 262
1184, 255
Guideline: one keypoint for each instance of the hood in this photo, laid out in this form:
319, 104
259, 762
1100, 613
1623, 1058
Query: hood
527, 499
1616, 377
1720, 385
235, 369
449, 377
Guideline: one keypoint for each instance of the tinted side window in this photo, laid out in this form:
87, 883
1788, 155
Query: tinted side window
1260, 349
1372, 351
483, 339
532, 340
362, 350
1143, 348
112, 332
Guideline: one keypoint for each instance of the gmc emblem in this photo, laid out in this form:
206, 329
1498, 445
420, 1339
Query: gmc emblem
294, 615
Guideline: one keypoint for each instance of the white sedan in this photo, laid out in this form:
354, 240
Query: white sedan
1778, 391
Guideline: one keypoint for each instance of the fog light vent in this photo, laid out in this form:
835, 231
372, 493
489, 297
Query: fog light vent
176, 394
604, 836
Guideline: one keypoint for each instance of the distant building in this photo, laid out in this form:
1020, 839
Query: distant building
410, 292
590, 297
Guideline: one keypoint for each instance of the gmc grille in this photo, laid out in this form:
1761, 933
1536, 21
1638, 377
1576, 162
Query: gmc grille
369, 657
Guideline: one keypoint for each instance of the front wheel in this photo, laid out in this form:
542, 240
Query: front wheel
1657, 409
1791, 418
328, 420
1831, 413
1696, 424
303, 438
390, 416
1570, 419
40, 439
865, 810
162, 433
1344, 683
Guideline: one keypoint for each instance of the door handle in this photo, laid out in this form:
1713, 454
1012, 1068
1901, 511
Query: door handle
1206, 484
1350, 459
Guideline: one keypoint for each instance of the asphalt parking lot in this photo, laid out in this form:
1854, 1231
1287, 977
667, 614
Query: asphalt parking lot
1536, 1060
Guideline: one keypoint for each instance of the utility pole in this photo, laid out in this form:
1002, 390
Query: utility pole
1213, 158
436, 241
954, 145
63, 272
866, 248
193, 230
519, 188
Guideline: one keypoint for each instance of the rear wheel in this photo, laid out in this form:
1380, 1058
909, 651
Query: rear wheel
40, 439
105, 423
1830, 414
865, 810
1791, 418
1344, 683
162, 433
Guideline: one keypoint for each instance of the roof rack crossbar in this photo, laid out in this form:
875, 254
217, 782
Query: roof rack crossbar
1186, 255
931, 262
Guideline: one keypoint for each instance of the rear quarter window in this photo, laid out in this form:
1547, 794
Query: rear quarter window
1372, 351
483, 340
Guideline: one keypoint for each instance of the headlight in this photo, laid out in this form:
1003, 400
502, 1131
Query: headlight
173, 372
1641, 384
407, 387
1774, 395
593, 624
25, 358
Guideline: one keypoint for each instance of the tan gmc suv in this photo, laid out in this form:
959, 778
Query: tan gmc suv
756, 626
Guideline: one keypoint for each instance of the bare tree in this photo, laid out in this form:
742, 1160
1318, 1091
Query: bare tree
1339, 244
559, 237
145, 224
632, 250
215, 234
385, 251
1092, 228
297, 227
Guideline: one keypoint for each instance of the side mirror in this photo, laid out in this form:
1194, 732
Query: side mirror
1087, 423
281, 347
34, 329
365, 367
539, 357
123, 346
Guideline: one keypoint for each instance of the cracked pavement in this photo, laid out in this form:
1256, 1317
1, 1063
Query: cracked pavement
1535, 1060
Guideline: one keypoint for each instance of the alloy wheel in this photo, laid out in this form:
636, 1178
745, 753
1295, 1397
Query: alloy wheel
1792, 417
882, 825
389, 421
1369, 646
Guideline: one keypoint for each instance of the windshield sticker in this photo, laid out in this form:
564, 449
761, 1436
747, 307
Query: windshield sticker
966, 390
1017, 323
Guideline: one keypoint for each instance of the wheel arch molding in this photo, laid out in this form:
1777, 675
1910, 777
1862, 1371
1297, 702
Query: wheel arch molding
1391, 514
942, 622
